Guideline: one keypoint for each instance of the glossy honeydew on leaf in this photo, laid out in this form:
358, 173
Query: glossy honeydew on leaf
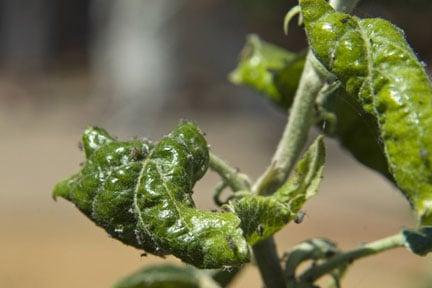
262, 216
142, 195
271, 70
378, 68
103, 189
167, 276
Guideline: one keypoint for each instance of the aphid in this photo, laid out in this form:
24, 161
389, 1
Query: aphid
260, 229
299, 217
345, 20
136, 154
231, 243
80, 146
378, 68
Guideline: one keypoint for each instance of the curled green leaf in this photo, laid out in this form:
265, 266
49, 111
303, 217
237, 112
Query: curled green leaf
142, 195
378, 68
167, 276
418, 241
262, 216
271, 70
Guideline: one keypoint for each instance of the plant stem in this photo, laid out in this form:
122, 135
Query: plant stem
300, 120
268, 263
289, 148
372, 248
231, 176
294, 137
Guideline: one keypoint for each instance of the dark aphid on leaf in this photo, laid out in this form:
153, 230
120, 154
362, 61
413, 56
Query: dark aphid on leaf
136, 154
345, 20
80, 146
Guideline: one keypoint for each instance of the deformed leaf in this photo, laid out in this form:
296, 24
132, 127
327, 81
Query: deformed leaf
378, 68
271, 70
419, 241
262, 216
142, 195
167, 276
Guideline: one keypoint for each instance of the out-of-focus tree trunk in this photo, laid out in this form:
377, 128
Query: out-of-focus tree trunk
132, 57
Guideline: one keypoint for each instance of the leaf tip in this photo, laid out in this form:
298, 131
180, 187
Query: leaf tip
60, 190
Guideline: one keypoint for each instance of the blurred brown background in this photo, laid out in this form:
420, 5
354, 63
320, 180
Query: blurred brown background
136, 67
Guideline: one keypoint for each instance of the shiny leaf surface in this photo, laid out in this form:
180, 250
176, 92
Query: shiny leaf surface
142, 195
378, 68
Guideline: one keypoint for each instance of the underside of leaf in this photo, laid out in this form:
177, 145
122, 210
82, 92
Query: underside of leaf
271, 70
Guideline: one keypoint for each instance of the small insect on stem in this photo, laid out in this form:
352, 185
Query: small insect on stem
298, 219
80, 146
345, 20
